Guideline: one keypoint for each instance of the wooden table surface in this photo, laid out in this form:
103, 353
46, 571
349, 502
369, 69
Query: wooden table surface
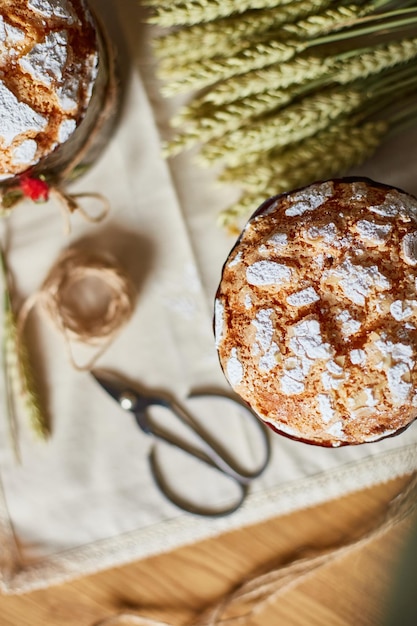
175, 587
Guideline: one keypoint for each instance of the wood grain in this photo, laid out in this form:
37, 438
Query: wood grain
175, 587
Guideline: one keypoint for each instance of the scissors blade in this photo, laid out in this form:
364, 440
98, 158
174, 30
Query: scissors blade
126, 396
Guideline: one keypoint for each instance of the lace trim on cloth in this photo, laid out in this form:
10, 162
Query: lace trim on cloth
16, 577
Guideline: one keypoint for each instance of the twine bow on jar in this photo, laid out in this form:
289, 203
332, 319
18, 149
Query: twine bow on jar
39, 190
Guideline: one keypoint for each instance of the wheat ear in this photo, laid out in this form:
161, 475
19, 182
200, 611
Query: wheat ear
211, 122
196, 11
286, 45
203, 40
332, 152
294, 123
343, 141
18, 370
341, 68
372, 62
205, 122
205, 73
278, 76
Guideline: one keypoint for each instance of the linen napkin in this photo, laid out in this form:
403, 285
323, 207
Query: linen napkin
85, 499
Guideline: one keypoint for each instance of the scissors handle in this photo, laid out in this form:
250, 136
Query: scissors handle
210, 453
187, 505
207, 448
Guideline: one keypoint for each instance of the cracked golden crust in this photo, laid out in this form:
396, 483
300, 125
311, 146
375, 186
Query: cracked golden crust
316, 312
45, 99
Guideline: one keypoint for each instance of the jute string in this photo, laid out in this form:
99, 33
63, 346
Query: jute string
71, 202
53, 299
252, 596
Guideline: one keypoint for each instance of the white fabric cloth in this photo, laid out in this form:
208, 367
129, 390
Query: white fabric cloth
85, 500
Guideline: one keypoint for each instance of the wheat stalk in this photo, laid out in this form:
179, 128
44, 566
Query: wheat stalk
190, 12
211, 122
343, 140
340, 68
373, 62
289, 97
329, 20
286, 45
280, 76
18, 370
203, 116
331, 152
195, 11
206, 122
203, 41
295, 122
205, 73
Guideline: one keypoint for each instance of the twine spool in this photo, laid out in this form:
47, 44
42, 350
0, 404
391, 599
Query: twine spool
77, 270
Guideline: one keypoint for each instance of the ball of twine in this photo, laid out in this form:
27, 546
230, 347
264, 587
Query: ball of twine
57, 298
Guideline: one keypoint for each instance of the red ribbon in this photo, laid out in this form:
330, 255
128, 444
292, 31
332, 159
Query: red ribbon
34, 188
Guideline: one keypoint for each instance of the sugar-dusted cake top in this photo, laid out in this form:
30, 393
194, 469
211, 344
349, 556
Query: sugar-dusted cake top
316, 312
48, 65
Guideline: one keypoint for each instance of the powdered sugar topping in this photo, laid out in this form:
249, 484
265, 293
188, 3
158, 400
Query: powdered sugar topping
303, 298
236, 260
333, 377
66, 129
400, 310
309, 199
46, 61
25, 152
68, 94
359, 190
268, 273
307, 340
307, 345
278, 240
325, 407
10, 36
17, 117
373, 233
357, 356
336, 430
234, 369
248, 301
409, 248
350, 326
218, 321
357, 280
396, 204
397, 362
327, 233
264, 346
53, 8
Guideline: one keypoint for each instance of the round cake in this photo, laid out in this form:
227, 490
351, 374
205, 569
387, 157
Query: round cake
48, 68
316, 312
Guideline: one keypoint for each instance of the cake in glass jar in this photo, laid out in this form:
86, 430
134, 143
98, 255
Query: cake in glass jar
316, 312
57, 90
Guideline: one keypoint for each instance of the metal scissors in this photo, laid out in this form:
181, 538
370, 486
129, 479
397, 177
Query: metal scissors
208, 451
